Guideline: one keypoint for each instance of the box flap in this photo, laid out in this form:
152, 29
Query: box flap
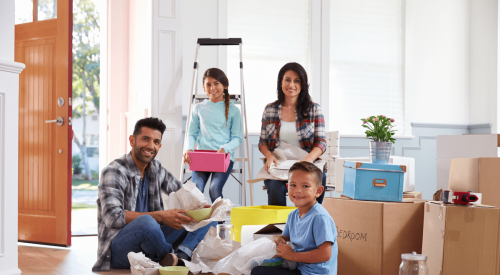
467, 146
489, 181
432, 241
464, 175
271, 228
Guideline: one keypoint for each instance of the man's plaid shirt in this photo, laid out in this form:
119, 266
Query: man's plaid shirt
311, 130
118, 189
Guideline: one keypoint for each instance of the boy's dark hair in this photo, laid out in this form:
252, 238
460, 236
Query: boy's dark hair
310, 168
150, 122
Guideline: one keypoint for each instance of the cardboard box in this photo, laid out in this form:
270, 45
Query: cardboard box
269, 231
372, 235
462, 146
412, 195
480, 175
255, 215
461, 240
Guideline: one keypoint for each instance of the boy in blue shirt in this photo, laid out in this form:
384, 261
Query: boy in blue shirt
310, 228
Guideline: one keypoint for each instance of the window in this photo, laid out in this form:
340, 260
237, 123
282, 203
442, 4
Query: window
365, 63
274, 33
26, 11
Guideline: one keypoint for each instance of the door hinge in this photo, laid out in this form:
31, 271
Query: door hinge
69, 101
69, 118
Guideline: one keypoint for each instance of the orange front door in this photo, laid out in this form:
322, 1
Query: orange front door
45, 147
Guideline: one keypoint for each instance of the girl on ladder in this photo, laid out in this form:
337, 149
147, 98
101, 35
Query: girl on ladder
215, 125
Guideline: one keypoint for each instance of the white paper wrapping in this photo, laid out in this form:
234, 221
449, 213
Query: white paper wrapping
191, 198
142, 265
209, 251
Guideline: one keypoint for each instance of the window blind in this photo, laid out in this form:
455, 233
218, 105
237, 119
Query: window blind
365, 63
274, 33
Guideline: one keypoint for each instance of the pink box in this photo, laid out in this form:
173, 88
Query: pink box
208, 161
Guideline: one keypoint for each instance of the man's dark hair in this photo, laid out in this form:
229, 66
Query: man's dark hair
150, 122
310, 168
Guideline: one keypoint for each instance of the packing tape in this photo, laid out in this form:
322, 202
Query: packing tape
442, 233
441, 210
427, 207
452, 235
469, 214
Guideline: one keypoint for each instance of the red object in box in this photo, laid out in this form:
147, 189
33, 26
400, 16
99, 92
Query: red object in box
209, 161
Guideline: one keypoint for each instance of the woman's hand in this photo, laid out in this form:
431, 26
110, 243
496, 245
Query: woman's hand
186, 158
221, 150
269, 160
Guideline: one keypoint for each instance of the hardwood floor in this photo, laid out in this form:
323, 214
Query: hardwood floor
48, 260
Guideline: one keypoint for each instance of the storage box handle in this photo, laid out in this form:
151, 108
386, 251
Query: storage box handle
379, 182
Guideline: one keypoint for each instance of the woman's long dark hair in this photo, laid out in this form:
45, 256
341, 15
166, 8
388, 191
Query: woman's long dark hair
304, 102
220, 76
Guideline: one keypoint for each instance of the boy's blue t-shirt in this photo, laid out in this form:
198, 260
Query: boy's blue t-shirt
315, 228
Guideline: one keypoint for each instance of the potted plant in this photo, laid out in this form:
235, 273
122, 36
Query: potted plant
379, 129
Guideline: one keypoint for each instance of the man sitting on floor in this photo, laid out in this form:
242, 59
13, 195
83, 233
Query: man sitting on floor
130, 207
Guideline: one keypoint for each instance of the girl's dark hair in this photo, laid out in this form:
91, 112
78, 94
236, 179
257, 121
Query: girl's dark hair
150, 122
220, 76
304, 102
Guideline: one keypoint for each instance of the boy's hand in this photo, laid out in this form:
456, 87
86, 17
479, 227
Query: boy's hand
278, 240
285, 251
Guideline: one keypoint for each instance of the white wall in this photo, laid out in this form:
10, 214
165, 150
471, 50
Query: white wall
202, 19
437, 61
9, 128
140, 46
483, 62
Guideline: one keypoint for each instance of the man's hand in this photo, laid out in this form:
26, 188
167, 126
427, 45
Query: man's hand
207, 206
285, 251
174, 218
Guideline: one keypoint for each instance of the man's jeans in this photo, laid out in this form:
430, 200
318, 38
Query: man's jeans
218, 181
155, 240
276, 191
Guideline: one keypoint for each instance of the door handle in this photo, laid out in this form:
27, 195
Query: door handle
379, 182
59, 121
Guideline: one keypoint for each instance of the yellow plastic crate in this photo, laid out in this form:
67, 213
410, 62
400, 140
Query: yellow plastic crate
254, 215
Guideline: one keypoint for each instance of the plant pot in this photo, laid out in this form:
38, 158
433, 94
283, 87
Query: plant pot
380, 151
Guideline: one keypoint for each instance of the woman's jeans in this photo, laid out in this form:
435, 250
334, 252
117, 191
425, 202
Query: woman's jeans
217, 183
276, 191
155, 240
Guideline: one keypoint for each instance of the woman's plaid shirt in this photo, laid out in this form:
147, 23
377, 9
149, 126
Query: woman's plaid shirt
311, 131
118, 187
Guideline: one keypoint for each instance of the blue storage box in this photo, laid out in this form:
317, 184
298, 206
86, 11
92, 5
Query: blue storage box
373, 181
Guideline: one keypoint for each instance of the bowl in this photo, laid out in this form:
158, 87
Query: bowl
174, 270
200, 214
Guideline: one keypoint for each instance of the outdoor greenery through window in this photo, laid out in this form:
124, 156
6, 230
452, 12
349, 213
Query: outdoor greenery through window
86, 93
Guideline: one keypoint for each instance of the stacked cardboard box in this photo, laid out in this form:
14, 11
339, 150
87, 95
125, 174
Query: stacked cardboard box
372, 235
462, 146
461, 240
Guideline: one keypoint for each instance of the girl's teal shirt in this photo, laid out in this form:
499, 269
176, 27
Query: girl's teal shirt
208, 127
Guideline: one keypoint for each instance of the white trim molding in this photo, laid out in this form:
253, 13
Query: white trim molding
11, 66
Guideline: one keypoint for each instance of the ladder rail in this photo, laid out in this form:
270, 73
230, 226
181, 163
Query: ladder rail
186, 134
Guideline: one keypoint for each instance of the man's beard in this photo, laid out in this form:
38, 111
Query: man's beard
140, 156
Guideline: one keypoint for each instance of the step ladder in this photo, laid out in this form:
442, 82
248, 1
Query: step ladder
236, 99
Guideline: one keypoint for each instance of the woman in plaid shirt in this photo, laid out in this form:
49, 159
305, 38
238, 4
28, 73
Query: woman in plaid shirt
295, 119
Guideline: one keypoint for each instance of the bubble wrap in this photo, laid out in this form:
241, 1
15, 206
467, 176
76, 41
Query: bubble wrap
247, 257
